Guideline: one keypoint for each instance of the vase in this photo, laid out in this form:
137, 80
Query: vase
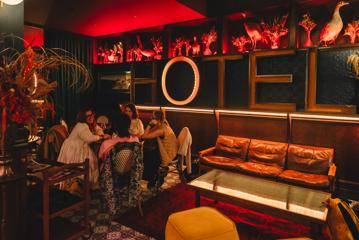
309, 42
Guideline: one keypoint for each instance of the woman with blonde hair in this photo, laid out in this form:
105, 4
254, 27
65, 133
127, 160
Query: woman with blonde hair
159, 129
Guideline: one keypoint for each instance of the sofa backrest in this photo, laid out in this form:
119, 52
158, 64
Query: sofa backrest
309, 159
232, 146
267, 152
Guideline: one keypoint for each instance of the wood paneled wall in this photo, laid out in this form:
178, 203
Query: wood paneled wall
265, 128
203, 127
343, 137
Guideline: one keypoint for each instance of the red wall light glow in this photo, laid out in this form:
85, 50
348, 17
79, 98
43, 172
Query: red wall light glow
123, 16
33, 36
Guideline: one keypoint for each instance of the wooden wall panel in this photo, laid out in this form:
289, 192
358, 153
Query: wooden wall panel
266, 128
145, 116
203, 127
343, 137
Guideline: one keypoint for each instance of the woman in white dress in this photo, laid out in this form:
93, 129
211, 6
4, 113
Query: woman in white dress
76, 149
136, 128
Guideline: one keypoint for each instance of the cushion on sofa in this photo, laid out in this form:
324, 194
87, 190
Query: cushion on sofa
305, 179
267, 152
222, 162
261, 169
309, 159
232, 146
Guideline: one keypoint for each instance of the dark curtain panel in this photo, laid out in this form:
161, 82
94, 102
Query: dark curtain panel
68, 101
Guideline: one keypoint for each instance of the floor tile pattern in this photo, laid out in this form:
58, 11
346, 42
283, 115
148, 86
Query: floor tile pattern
103, 228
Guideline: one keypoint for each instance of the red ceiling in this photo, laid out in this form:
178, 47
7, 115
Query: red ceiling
98, 17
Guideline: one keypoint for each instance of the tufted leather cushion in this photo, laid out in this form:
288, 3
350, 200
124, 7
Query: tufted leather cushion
232, 146
222, 162
267, 152
309, 159
261, 169
306, 179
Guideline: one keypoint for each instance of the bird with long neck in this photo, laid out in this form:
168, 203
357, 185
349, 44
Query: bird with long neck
331, 30
254, 32
149, 53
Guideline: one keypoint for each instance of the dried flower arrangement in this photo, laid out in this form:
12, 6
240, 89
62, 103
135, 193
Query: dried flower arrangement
308, 24
25, 83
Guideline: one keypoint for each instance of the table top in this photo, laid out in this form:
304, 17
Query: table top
293, 199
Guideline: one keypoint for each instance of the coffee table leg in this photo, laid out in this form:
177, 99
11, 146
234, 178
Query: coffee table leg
198, 199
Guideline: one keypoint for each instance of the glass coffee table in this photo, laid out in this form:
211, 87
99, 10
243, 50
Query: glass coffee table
302, 205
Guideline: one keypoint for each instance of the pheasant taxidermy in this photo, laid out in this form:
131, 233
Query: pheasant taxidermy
331, 30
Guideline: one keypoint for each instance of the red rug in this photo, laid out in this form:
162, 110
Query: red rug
250, 224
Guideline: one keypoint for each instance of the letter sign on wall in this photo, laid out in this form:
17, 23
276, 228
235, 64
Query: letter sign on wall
196, 80
254, 79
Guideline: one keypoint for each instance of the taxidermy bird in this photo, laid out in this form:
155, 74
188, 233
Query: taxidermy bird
254, 32
332, 29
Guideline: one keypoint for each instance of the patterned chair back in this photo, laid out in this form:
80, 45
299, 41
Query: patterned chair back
123, 160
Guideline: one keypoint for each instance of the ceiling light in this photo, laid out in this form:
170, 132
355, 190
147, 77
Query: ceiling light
11, 2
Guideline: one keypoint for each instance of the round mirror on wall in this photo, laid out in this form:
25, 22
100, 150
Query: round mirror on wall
180, 80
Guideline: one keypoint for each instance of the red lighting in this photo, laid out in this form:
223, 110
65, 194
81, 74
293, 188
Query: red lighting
122, 16
254, 32
33, 36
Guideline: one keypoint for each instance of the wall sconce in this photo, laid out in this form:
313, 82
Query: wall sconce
10, 2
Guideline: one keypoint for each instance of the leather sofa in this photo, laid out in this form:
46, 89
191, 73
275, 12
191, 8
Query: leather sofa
303, 165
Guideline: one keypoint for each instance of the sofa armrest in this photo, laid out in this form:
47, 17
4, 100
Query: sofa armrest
331, 176
332, 171
205, 152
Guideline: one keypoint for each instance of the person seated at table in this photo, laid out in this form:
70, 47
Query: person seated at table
159, 129
136, 128
121, 124
94, 127
76, 148
113, 159
53, 140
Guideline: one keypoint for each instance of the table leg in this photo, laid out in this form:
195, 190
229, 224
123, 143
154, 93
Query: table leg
198, 199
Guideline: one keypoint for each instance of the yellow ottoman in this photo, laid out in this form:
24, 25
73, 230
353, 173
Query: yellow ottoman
200, 223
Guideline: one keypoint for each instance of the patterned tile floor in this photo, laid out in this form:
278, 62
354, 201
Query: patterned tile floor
102, 228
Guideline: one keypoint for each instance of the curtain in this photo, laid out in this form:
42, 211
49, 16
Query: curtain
69, 101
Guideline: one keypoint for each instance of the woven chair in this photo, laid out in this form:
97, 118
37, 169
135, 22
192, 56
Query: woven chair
124, 170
